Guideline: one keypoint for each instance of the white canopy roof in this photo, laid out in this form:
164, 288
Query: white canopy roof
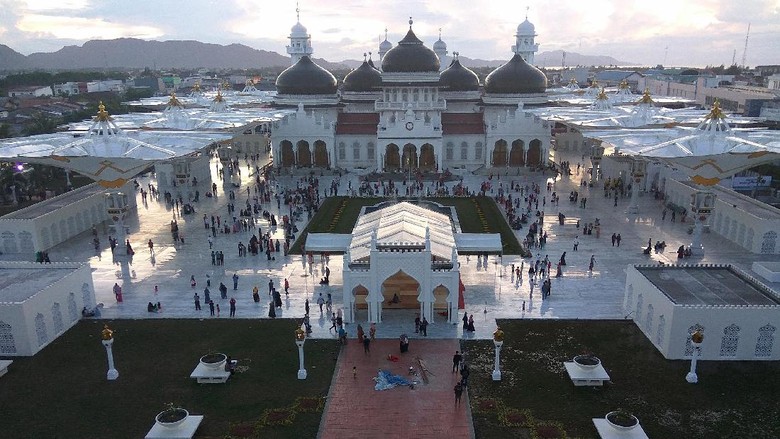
403, 224
478, 242
327, 242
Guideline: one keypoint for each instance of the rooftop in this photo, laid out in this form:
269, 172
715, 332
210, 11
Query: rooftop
18, 284
711, 285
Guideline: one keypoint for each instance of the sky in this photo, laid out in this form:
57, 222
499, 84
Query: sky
648, 32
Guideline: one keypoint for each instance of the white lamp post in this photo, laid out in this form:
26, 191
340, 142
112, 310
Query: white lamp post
108, 340
702, 205
498, 341
696, 339
300, 339
637, 172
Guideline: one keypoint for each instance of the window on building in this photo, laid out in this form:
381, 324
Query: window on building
356, 151
478, 151
342, 151
730, 341
449, 153
371, 151
766, 338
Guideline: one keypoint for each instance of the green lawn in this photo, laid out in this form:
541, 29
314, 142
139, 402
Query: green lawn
476, 215
62, 392
732, 399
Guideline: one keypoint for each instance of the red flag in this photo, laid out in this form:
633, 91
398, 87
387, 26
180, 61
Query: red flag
461, 289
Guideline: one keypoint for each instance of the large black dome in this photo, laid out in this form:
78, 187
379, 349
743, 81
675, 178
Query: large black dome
459, 78
305, 78
364, 78
516, 76
410, 55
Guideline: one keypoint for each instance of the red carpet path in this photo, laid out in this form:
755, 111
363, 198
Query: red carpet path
356, 410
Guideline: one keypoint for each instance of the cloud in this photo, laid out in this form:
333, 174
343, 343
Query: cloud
82, 28
55, 5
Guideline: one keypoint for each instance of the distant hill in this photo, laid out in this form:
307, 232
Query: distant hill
553, 59
136, 53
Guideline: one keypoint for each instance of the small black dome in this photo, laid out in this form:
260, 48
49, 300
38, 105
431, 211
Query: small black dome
305, 78
410, 55
516, 76
459, 78
364, 78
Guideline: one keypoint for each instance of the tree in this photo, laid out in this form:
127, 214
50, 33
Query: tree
41, 124
5, 131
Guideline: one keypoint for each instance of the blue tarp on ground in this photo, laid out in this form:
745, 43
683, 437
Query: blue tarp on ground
385, 380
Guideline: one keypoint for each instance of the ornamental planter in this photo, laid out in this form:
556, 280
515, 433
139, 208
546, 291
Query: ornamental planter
587, 361
213, 361
172, 418
621, 420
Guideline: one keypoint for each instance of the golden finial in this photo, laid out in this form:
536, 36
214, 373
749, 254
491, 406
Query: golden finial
196, 87
595, 83
498, 334
646, 99
602, 96
623, 85
107, 333
572, 80
102, 114
716, 113
174, 101
218, 98
697, 337
299, 334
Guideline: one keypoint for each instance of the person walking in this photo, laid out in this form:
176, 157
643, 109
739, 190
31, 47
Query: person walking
232, 307
614, 238
286, 286
424, 327
372, 331
366, 345
333, 321
456, 361
458, 394
617, 239
235, 281
592, 262
329, 303
197, 302
211, 307
320, 302
306, 306
576, 242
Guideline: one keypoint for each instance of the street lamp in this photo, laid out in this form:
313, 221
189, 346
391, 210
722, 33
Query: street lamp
696, 339
498, 341
300, 339
596, 154
702, 205
108, 341
638, 167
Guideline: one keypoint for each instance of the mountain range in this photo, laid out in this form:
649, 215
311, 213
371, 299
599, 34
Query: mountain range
136, 53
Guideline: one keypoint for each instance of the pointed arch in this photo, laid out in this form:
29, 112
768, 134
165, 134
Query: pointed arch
499, 153
517, 153
321, 154
392, 157
288, 155
534, 156
304, 153
427, 157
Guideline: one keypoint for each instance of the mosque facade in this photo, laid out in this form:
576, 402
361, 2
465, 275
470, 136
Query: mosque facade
412, 112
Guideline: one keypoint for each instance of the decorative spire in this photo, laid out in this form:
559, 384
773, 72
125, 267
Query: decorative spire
297, 12
174, 101
410, 23
365, 57
218, 98
623, 84
102, 114
456, 54
602, 96
439, 34
716, 113
385, 34
526, 12
646, 99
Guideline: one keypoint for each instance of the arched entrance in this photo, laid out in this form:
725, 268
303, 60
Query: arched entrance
427, 158
320, 154
360, 293
499, 153
516, 154
392, 158
535, 152
409, 157
288, 156
405, 287
440, 295
304, 154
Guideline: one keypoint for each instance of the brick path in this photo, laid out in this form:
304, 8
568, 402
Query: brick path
356, 410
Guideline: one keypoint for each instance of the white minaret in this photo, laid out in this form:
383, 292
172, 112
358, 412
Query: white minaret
440, 49
524, 40
300, 40
384, 46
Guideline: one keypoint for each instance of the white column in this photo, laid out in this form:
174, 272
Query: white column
691, 377
634, 206
697, 248
496, 369
112, 372
301, 370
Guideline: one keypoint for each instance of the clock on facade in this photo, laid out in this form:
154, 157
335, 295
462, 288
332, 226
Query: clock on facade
409, 126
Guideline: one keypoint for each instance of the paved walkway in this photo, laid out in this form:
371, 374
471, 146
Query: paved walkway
355, 410
580, 294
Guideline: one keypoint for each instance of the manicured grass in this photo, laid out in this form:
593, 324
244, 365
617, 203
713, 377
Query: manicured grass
732, 399
62, 392
476, 215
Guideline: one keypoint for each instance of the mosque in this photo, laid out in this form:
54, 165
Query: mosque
419, 111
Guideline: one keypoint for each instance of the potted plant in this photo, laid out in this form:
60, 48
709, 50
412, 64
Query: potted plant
587, 361
172, 416
621, 420
213, 360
